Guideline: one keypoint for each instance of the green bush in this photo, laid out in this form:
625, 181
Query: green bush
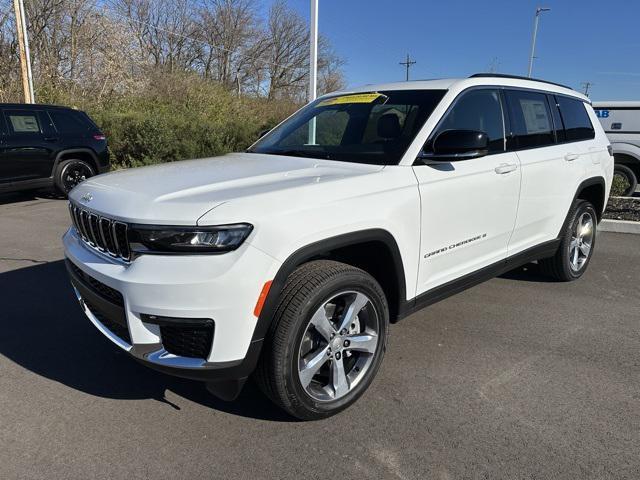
177, 117
618, 185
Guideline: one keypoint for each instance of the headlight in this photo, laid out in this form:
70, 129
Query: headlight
222, 238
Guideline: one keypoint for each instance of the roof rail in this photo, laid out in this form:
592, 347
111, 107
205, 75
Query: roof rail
517, 77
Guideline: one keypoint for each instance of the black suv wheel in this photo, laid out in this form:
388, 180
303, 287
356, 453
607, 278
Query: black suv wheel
71, 173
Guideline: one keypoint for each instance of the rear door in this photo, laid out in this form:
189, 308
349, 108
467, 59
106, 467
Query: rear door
468, 206
30, 144
552, 166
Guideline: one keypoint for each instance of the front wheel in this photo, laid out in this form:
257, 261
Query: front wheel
577, 243
327, 340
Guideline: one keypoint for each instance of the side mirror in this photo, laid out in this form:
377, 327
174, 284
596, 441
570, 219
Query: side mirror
455, 145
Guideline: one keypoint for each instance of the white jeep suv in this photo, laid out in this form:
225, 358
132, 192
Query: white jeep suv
290, 260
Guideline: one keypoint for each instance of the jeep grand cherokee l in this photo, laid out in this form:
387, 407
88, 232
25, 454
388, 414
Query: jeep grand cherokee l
289, 261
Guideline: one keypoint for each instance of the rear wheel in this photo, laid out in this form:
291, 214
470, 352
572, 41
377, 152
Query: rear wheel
327, 340
71, 173
627, 179
577, 243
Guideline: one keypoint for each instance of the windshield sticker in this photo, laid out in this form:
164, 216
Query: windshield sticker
355, 98
455, 245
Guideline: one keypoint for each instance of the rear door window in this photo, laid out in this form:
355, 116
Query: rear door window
576, 120
530, 117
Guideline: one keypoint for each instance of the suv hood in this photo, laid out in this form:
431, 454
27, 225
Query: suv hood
179, 193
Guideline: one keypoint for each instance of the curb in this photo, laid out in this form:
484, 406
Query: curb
619, 226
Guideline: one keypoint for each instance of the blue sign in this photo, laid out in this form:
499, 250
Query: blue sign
602, 113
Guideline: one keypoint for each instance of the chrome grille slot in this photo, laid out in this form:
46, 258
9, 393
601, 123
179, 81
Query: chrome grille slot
76, 218
107, 235
120, 236
102, 233
95, 233
84, 225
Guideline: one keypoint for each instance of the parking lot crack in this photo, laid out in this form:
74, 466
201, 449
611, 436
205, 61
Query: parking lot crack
31, 260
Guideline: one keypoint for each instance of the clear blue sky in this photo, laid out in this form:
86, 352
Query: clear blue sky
578, 41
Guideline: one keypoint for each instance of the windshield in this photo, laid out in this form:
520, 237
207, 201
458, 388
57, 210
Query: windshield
370, 127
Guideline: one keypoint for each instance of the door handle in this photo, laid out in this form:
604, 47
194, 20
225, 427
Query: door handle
505, 168
50, 139
570, 157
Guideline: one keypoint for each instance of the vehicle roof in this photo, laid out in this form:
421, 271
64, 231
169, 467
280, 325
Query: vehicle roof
462, 83
27, 106
624, 103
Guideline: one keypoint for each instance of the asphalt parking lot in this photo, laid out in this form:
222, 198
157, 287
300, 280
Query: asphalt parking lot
517, 378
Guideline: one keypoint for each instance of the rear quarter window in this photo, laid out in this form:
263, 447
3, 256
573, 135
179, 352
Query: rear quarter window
69, 123
577, 124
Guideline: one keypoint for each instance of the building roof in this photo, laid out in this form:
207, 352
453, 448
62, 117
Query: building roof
617, 104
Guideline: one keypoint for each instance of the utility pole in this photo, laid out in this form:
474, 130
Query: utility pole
408, 63
313, 66
539, 10
23, 46
586, 86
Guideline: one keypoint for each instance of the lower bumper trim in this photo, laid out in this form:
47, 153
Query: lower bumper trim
155, 355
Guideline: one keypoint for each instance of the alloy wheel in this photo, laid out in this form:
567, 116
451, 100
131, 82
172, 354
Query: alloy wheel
581, 241
338, 346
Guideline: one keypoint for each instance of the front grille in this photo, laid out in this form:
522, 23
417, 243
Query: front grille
118, 329
105, 291
187, 341
106, 235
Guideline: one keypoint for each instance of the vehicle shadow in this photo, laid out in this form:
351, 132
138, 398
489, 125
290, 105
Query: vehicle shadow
528, 273
30, 195
46, 333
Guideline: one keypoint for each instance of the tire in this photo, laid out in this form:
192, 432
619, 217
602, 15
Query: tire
579, 236
295, 347
72, 172
629, 177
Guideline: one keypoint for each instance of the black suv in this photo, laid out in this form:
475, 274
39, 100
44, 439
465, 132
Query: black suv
46, 145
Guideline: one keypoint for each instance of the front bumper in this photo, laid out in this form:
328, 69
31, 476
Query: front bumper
117, 297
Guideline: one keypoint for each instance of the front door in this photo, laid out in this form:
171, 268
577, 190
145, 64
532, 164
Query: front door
29, 146
468, 207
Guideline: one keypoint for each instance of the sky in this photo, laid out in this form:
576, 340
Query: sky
578, 40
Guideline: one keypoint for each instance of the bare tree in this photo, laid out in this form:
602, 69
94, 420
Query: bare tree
163, 29
105, 47
9, 66
288, 54
229, 30
330, 76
